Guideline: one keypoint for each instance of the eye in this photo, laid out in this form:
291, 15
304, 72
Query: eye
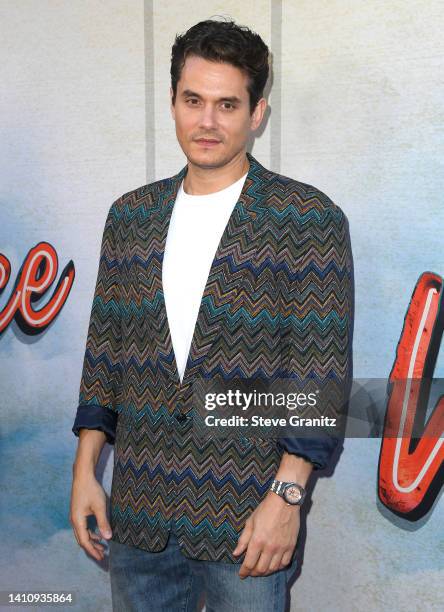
229, 104
192, 100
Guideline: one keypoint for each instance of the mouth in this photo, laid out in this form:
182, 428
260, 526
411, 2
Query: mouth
207, 142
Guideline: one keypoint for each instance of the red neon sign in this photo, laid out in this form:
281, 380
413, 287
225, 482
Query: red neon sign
33, 280
411, 466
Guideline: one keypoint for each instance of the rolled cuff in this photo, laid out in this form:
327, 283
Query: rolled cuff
316, 450
92, 416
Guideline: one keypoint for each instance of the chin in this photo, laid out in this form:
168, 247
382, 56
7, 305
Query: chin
206, 159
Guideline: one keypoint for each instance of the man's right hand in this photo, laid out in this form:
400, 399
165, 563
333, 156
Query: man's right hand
88, 496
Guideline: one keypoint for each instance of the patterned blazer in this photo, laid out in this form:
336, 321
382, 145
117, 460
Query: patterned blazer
279, 300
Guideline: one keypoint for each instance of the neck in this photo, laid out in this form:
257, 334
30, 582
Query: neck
201, 181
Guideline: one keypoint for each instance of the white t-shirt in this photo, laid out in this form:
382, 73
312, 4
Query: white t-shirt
195, 229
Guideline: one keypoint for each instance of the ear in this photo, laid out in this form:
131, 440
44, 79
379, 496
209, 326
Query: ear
173, 110
258, 114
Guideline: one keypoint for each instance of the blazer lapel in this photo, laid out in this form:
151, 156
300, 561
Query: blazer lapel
239, 237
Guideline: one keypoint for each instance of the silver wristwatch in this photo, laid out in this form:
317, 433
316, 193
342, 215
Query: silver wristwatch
292, 492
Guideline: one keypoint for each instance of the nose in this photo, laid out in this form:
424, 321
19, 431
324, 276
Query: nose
208, 117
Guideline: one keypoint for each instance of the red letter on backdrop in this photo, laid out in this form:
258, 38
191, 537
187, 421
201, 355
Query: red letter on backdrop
411, 461
33, 280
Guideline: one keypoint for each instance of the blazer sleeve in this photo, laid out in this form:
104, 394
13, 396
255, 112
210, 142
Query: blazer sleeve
319, 308
101, 374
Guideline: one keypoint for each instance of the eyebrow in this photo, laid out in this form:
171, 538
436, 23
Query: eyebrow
234, 99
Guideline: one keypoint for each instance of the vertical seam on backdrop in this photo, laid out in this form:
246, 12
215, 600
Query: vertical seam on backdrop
150, 142
276, 90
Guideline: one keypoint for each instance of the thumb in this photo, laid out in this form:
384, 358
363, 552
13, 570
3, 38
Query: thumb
103, 524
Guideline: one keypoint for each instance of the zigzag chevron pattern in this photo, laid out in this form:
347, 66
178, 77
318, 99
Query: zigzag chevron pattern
278, 303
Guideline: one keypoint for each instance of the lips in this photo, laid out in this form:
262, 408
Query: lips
207, 141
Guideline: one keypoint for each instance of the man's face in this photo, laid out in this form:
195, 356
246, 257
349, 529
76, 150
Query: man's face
212, 112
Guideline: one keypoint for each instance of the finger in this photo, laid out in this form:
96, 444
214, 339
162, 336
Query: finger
286, 559
243, 540
251, 558
96, 541
76, 536
275, 563
100, 548
102, 522
85, 541
263, 565
73, 525
94, 536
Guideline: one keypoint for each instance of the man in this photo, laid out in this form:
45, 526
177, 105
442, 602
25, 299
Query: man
256, 281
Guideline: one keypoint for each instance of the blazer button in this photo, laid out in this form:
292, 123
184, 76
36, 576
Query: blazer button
178, 414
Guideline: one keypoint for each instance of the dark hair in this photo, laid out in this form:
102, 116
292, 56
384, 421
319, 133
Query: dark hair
224, 41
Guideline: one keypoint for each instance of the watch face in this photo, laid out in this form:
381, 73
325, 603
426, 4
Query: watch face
293, 494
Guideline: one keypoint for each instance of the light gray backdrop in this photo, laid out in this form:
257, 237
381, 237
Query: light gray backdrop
356, 110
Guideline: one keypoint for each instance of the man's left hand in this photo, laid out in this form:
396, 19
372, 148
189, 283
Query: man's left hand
269, 536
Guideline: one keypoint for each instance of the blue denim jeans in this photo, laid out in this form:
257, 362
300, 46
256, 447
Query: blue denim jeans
168, 581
